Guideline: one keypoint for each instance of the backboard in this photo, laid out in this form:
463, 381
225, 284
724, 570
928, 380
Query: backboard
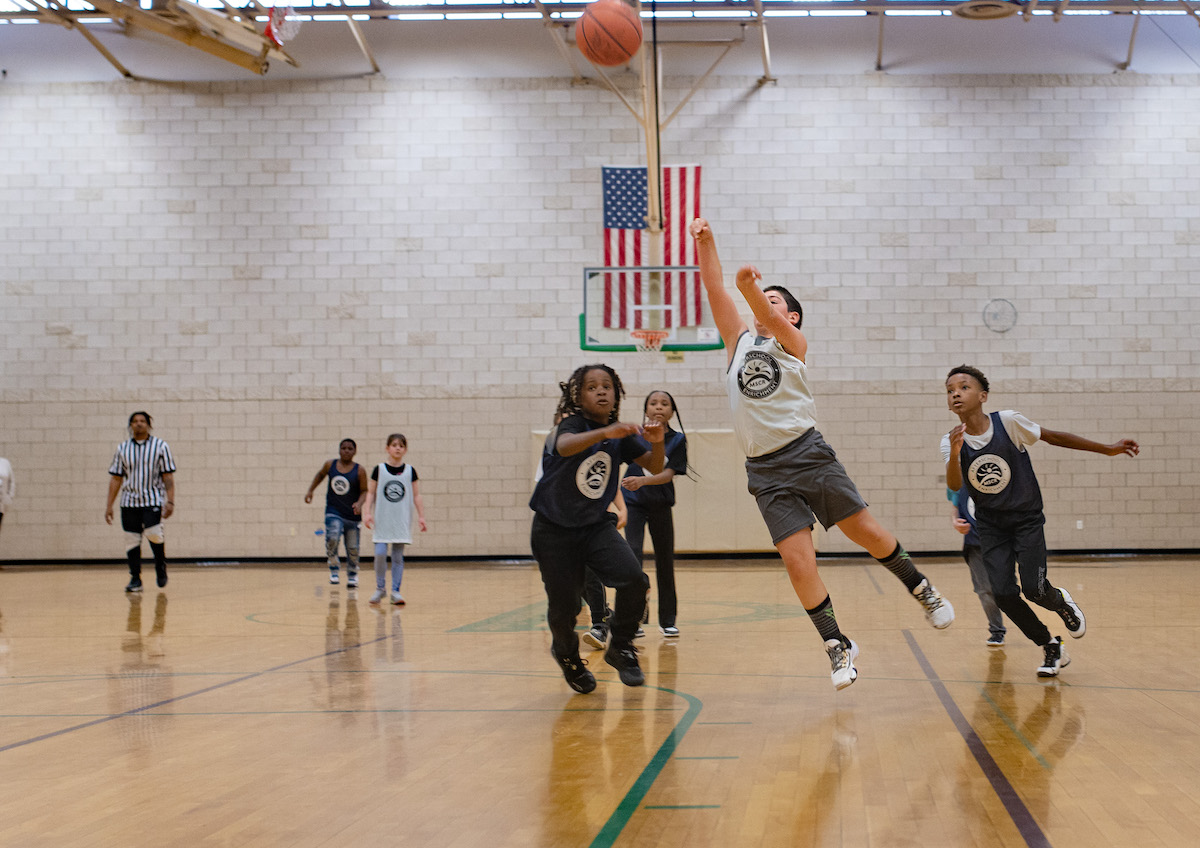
619, 301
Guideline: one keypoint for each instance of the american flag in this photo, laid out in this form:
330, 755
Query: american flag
625, 244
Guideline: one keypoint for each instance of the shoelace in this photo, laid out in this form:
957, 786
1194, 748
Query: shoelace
929, 598
840, 657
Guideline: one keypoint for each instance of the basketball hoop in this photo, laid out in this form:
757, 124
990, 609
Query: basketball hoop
282, 25
649, 341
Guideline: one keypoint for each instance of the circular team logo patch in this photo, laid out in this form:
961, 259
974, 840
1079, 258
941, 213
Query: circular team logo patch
591, 478
394, 491
759, 375
340, 485
989, 474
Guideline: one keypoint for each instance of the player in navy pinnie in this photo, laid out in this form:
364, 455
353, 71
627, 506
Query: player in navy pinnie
573, 529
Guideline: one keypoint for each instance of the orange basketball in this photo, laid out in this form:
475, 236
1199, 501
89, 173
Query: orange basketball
609, 33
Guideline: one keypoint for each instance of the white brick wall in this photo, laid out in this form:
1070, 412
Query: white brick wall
270, 267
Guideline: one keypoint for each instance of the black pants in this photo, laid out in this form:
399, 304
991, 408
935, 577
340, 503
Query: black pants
1008, 539
662, 537
563, 554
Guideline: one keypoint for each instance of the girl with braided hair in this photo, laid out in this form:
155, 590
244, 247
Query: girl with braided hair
573, 529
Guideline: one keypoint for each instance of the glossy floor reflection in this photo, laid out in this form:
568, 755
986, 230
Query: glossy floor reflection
260, 706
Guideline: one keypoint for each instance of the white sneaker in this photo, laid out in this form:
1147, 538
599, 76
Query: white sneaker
377, 596
351, 581
397, 600
1055, 658
841, 660
670, 631
1072, 616
597, 637
938, 611
333, 577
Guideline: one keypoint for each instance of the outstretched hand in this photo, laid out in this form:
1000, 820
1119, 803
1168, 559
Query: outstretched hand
748, 275
653, 432
1126, 446
699, 229
620, 429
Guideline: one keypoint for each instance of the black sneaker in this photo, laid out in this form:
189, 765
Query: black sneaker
1056, 658
1072, 615
135, 585
575, 671
160, 572
624, 660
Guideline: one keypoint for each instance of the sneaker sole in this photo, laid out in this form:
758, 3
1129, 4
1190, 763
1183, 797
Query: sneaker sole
1074, 634
591, 641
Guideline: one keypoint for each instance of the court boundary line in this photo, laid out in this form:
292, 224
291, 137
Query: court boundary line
114, 716
637, 793
1018, 813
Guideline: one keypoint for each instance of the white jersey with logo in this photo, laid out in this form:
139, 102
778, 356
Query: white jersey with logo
769, 396
393, 505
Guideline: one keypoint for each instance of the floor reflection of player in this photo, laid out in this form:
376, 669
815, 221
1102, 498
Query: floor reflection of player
577, 775
343, 657
143, 678
1047, 733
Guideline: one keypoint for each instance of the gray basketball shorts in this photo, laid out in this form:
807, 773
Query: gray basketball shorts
799, 484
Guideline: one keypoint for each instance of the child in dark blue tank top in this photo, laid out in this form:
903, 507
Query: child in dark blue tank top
649, 499
343, 508
987, 455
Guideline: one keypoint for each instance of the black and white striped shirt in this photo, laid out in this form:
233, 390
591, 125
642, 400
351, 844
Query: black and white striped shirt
143, 464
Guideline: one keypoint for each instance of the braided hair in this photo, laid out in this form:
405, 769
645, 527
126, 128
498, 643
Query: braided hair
689, 471
572, 392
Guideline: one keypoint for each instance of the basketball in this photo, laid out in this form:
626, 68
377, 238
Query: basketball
609, 32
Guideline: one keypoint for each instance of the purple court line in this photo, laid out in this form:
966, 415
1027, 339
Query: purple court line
1017, 811
870, 572
178, 698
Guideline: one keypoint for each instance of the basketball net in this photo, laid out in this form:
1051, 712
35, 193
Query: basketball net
282, 25
649, 341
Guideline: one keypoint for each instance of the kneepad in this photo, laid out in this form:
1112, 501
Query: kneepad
155, 534
133, 541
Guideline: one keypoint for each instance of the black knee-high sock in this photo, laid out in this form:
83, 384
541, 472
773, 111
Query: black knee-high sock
159, 549
899, 563
134, 555
825, 621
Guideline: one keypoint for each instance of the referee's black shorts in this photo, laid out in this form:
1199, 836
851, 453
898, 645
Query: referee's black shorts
135, 519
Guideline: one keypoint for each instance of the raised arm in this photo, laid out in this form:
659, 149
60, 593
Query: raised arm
724, 311
776, 323
1058, 438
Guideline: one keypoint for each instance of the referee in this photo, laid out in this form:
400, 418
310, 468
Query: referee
145, 464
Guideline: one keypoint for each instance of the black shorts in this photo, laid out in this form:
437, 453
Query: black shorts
135, 519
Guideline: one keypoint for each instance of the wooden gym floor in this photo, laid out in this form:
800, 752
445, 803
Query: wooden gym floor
259, 706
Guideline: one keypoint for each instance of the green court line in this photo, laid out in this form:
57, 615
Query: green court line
1017, 733
514, 621
637, 793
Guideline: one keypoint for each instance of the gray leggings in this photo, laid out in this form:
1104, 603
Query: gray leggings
381, 549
